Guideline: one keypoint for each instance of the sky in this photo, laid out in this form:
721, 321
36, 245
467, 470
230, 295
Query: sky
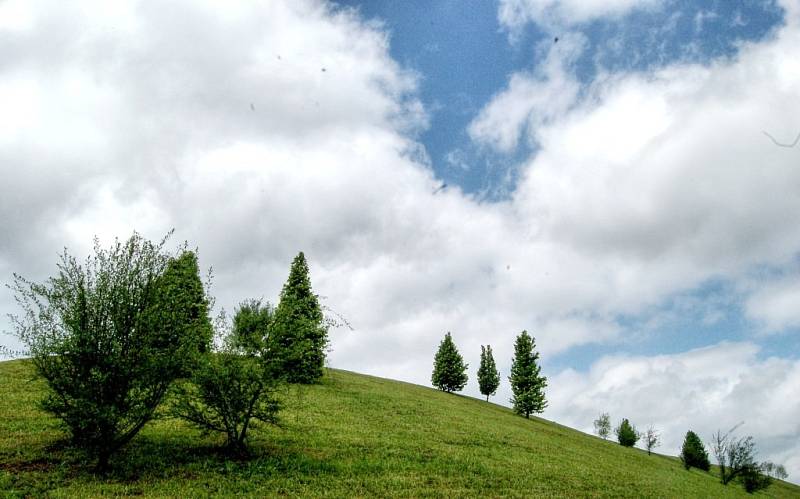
616, 177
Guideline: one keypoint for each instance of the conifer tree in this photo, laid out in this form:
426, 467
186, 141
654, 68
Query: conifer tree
449, 369
693, 452
299, 334
488, 376
626, 434
527, 383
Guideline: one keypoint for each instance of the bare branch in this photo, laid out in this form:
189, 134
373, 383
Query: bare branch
796, 140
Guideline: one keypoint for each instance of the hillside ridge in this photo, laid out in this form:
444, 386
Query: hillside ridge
351, 435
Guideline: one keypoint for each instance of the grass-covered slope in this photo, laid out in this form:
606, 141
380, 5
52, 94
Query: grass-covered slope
352, 435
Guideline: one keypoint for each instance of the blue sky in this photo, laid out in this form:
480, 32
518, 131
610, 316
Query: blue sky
464, 56
613, 193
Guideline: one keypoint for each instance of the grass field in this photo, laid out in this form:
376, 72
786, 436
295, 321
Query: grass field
352, 435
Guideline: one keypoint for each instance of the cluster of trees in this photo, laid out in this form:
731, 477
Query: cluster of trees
114, 336
527, 383
735, 456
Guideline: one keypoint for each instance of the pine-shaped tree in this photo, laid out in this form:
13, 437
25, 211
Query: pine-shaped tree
449, 369
693, 452
488, 377
626, 434
527, 383
299, 335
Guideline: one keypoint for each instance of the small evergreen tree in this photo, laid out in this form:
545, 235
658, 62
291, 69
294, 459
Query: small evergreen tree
236, 384
527, 384
602, 425
111, 336
488, 376
299, 332
626, 434
693, 452
449, 369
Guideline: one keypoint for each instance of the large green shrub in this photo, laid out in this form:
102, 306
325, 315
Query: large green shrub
235, 384
111, 335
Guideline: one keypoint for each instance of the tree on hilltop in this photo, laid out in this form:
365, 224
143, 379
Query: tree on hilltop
111, 335
602, 425
652, 439
627, 436
527, 383
449, 369
488, 376
236, 384
693, 452
299, 334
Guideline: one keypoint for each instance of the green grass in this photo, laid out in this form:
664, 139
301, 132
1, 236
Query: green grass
350, 436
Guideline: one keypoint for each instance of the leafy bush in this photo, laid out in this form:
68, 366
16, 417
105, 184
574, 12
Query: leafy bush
753, 478
693, 453
235, 384
626, 434
110, 336
449, 369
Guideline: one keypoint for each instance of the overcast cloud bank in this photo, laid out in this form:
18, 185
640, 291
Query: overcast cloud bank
260, 131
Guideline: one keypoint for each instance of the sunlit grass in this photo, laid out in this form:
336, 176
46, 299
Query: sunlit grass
352, 435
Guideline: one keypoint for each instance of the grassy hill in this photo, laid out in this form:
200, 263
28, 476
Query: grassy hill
352, 435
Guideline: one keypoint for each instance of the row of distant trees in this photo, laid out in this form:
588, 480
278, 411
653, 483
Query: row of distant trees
114, 335
735, 456
527, 382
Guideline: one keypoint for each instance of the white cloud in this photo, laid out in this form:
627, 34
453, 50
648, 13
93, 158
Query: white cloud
531, 100
776, 305
702, 390
560, 14
226, 126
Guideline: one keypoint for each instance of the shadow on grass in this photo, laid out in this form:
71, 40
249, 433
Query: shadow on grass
149, 459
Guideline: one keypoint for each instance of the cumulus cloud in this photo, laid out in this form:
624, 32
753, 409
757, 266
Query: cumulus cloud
702, 390
265, 129
776, 305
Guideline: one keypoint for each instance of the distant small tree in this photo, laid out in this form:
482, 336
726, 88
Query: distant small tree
488, 376
780, 472
110, 337
602, 425
774, 470
736, 459
527, 383
449, 369
652, 439
627, 435
753, 478
236, 384
299, 333
693, 452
